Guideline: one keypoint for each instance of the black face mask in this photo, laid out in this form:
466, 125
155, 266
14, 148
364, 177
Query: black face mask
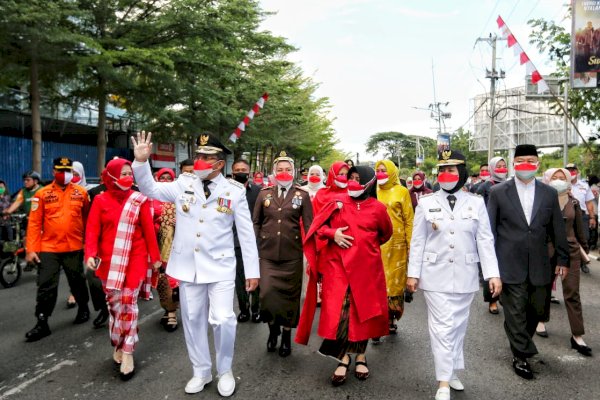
241, 177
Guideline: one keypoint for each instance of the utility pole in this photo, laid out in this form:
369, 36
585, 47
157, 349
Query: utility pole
566, 125
493, 76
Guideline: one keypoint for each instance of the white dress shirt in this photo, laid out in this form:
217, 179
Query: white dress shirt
582, 192
526, 192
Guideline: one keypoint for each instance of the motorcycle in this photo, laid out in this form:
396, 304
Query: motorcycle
12, 257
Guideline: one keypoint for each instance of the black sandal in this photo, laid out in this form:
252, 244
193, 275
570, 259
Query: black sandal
338, 380
393, 329
361, 375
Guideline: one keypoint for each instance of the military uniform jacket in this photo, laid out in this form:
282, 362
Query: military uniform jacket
203, 249
447, 244
277, 223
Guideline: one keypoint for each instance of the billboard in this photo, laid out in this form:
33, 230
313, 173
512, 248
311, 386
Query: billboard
585, 43
443, 142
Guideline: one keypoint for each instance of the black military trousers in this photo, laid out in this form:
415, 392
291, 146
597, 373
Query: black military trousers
96, 292
246, 300
523, 305
48, 277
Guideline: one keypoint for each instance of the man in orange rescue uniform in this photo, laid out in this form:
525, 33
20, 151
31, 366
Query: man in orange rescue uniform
55, 239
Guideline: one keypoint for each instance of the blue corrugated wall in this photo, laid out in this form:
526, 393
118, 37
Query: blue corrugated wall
15, 158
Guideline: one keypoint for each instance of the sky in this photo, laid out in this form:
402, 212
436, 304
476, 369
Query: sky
374, 58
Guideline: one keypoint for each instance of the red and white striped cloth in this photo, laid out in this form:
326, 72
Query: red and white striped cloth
536, 77
123, 241
237, 133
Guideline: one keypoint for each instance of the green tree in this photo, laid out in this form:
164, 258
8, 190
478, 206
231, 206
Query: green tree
36, 42
399, 147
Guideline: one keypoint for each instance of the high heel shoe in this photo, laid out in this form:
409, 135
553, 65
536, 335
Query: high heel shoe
338, 380
125, 373
361, 375
582, 349
286, 346
274, 332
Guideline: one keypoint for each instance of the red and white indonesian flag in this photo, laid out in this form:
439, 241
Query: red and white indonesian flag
237, 133
536, 77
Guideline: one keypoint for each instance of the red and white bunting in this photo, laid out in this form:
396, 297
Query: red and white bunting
237, 133
536, 77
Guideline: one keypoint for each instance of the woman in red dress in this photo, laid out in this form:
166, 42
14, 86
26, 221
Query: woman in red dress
119, 238
354, 305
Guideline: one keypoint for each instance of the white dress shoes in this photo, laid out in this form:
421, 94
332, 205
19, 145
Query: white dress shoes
226, 384
456, 384
443, 393
196, 384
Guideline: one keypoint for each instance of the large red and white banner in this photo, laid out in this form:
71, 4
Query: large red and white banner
237, 133
536, 77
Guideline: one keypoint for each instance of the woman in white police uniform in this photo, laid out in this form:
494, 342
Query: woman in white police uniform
203, 256
451, 233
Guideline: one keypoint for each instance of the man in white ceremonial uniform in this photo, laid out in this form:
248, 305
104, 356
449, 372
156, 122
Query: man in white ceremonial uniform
451, 234
203, 256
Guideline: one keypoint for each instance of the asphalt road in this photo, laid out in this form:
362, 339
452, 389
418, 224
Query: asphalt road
75, 361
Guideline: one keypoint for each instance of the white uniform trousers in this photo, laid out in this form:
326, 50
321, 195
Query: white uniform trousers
202, 304
448, 317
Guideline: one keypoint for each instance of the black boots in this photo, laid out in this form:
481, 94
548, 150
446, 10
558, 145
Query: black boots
40, 330
83, 315
101, 318
286, 346
272, 341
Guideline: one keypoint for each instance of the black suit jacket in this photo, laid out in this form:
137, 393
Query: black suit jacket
522, 249
252, 192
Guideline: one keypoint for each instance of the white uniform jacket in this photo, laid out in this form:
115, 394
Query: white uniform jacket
447, 244
203, 249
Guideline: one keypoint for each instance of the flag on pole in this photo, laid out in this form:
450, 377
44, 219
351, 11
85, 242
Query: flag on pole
237, 133
536, 77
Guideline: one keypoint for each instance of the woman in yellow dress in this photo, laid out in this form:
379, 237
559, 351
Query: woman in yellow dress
394, 253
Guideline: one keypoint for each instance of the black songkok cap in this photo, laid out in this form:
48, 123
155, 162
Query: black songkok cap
526, 150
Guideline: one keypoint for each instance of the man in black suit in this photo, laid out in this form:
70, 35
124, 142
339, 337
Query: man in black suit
241, 172
524, 214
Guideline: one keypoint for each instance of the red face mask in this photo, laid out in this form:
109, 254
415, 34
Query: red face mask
314, 179
125, 182
526, 167
447, 177
381, 175
284, 177
484, 173
200, 165
417, 183
342, 178
76, 179
501, 170
63, 178
573, 172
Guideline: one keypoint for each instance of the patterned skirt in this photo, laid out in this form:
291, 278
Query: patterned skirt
341, 345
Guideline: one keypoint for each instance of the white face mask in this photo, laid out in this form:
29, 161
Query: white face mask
382, 181
447, 186
284, 184
203, 173
355, 193
501, 175
560, 186
341, 185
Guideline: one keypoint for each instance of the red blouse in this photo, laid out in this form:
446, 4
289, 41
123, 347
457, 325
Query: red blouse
100, 235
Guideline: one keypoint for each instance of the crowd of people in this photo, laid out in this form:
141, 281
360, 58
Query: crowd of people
362, 240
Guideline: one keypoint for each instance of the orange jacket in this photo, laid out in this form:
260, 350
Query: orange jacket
57, 219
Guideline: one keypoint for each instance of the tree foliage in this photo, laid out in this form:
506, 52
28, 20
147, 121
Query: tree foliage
554, 41
179, 66
399, 147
